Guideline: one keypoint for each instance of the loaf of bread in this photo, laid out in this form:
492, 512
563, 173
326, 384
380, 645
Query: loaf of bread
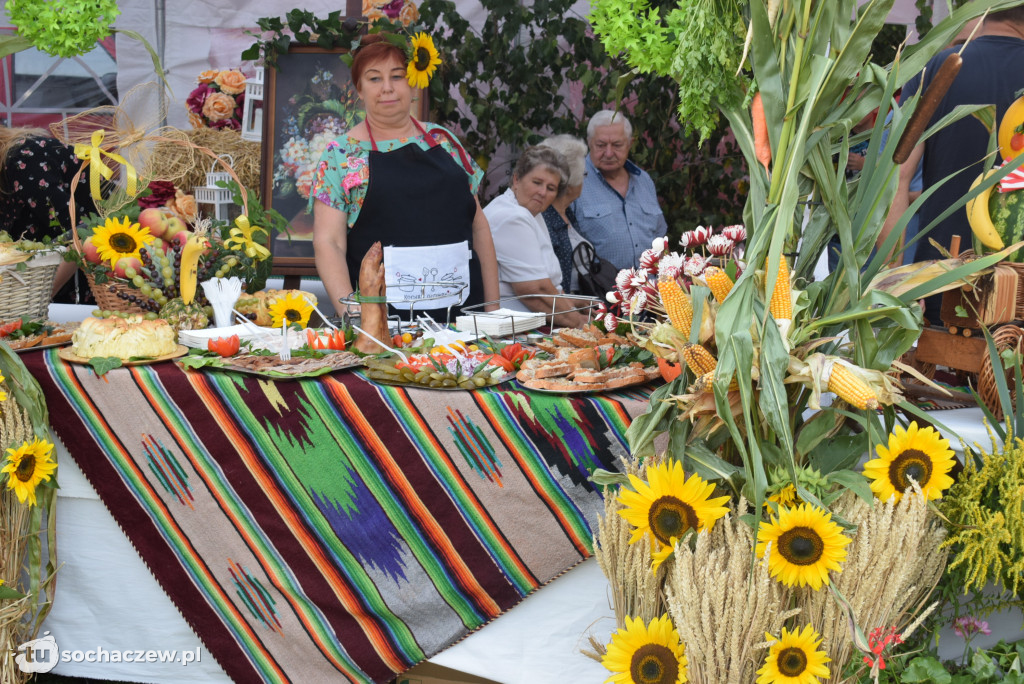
124, 338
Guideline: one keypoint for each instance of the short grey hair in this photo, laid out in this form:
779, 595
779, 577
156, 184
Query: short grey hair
608, 117
540, 156
574, 151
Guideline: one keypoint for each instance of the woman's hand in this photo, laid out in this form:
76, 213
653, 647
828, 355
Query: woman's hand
532, 293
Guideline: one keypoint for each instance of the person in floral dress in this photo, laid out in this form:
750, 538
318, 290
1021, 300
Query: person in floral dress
35, 184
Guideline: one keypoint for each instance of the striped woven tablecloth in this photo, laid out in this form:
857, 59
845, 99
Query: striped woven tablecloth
331, 529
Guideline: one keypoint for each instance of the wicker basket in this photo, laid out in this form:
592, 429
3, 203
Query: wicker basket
107, 298
107, 293
26, 293
1005, 337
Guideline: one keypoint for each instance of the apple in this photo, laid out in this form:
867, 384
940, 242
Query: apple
155, 220
125, 262
91, 252
174, 226
180, 238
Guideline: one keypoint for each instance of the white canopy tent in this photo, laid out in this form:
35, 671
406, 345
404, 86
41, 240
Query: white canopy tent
196, 35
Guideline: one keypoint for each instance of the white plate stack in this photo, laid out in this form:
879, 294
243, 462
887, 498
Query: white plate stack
499, 323
267, 338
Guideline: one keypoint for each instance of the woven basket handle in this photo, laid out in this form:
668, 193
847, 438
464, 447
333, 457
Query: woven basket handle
205, 150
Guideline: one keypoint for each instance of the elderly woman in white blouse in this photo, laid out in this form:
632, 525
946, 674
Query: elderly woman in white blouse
527, 265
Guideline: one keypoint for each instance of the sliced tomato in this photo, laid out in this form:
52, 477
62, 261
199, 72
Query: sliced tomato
7, 328
501, 362
312, 339
510, 351
336, 340
225, 346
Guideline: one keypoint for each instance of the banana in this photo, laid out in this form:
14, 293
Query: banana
189, 270
978, 216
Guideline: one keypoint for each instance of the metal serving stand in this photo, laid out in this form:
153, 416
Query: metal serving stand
395, 322
575, 303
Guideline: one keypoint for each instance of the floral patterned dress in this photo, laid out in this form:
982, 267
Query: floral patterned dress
35, 189
341, 177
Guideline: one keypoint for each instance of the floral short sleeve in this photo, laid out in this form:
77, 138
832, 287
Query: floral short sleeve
340, 178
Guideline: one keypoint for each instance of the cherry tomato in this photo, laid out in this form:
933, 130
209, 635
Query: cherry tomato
396, 341
7, 328
1017, 141
225, 346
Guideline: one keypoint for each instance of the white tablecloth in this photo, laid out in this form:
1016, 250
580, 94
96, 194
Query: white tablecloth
106, 598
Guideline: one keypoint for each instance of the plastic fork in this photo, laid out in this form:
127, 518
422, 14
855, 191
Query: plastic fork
320, 313
386, 346
286, 350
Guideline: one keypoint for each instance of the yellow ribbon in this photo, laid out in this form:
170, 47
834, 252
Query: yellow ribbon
242, 239
94, 153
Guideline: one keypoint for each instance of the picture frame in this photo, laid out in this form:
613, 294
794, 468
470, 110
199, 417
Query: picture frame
309, 100
308, 97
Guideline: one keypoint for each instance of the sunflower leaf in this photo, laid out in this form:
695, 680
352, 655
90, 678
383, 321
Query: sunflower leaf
854, 481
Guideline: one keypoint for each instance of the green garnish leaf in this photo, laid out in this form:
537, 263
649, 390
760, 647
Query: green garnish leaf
102, 364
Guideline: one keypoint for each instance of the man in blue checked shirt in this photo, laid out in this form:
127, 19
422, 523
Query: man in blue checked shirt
618, 209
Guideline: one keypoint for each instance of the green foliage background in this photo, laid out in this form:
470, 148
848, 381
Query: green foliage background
535, 71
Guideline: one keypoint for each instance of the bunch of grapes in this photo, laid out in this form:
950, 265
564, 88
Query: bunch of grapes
156, 280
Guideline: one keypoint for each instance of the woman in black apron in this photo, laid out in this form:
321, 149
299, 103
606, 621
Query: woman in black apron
416, 194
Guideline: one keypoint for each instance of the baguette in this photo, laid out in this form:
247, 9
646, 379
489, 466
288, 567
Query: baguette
553, 370
578, 338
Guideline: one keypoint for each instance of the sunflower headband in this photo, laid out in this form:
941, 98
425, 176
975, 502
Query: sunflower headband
421, 54
423, 61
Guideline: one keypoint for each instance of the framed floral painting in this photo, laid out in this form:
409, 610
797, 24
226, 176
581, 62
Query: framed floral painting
309, 100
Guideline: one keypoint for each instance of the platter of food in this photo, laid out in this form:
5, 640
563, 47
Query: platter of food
454, 366
602, 381
68, 355
272, 367
586, 361
30, 335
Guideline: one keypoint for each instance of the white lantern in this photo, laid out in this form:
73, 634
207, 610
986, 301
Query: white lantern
252, 108
224, 208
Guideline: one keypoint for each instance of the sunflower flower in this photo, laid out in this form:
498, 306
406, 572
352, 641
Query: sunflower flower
115, 240
646, 655
794, 659
242, 239
293, 308
668, 505
805, 546
27, 466
915, 455
423, 62
3, 394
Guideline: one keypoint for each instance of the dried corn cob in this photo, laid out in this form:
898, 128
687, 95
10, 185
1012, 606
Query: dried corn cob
699, 359
677, 305
847, 386
718, 282
781, 304
704, 382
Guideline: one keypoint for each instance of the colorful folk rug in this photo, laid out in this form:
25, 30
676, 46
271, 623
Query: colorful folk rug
331, 529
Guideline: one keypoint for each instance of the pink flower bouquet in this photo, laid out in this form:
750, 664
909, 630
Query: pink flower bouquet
216, 102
